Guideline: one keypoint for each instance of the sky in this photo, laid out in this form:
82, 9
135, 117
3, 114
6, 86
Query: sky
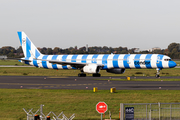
140, 24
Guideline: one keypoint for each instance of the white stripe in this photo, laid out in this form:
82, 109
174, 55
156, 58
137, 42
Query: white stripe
142, 59
49, 65
89, 59
33, 50
68, 59
154, 60
109, 61
31, 63
39, 62
59, 57
99, 58
165, 64
120, 60
24, 44
79, 58
131, 60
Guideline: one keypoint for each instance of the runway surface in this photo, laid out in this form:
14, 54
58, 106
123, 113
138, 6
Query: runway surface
39, 82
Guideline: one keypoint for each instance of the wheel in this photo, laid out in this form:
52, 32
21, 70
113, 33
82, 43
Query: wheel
157, 76
81, 75
97, 75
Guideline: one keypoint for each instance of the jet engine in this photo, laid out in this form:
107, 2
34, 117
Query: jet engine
116, 70
91, 68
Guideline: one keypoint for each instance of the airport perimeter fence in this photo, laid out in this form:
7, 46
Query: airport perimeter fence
150, 111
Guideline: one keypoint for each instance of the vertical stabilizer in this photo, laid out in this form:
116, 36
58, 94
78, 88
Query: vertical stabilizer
29, 49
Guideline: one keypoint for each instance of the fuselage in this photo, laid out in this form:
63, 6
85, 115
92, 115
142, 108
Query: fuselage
108, 60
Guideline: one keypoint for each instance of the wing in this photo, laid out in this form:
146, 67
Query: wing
73, 64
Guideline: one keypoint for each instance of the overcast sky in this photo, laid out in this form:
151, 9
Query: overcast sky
67, 23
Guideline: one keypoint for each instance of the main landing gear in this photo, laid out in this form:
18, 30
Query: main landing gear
158, 72
84, 75
96, 75
81, 75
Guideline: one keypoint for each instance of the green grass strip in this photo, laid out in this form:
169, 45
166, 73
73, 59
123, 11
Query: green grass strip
80, 102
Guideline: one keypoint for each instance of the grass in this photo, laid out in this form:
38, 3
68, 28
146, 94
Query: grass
80, 102
32, 71
11, 62
177, 62
133, 79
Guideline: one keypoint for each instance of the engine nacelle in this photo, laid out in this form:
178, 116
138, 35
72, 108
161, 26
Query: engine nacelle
116, 70
91, 68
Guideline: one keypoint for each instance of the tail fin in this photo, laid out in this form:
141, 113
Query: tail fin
29, 49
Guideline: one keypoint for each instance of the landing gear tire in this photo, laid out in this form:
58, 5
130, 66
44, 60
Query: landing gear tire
157, 76
158, 72
96, 75
81, 75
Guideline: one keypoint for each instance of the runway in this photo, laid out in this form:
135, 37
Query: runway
82, 83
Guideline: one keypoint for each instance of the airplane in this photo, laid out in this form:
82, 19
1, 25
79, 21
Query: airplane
92, 63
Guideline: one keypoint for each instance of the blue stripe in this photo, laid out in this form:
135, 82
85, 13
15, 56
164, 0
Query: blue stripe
115, 61
104, 61
44, 63
35, 63
54, 66
28, 47
20, 37
64, 59
148, 60
37, 54
26, 62
125, 61
137, 60
159, 61
84, 58
74, 57
94, 58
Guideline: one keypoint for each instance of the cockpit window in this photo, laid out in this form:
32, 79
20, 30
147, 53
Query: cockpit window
167, 59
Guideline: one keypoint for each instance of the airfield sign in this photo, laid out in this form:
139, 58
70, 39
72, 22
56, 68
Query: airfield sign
101, 107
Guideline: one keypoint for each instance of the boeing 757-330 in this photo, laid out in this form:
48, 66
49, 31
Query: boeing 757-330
92, 63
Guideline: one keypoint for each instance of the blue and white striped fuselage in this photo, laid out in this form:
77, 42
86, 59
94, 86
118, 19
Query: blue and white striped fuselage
92, 63
108, 60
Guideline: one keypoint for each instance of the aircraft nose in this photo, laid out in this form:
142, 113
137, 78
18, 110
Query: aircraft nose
172, 64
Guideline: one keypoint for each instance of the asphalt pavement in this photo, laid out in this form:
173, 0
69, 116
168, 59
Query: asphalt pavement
82, 83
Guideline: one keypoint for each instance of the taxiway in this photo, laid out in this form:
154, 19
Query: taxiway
40, 82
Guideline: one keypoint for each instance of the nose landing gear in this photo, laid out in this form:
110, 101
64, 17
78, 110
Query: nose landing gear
158, 72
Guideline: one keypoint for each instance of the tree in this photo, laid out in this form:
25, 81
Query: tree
19, 50
49, 51
172, 46
56, 50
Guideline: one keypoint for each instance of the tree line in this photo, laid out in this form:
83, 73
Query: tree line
173, 51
